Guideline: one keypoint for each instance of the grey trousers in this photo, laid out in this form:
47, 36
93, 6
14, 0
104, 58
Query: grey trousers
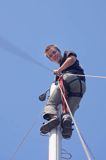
55, 98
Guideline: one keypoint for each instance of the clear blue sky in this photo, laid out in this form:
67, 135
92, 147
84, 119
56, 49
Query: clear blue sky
31, 26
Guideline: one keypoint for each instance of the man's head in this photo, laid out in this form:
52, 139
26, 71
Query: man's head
53, 53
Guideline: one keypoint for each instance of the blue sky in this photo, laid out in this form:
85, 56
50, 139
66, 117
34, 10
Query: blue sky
31, 26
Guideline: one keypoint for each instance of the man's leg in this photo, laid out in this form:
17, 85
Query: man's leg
73, 102
50, 111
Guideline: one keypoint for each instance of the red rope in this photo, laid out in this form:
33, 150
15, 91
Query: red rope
64, 107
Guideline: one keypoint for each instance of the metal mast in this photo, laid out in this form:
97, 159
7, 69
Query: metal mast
55, 138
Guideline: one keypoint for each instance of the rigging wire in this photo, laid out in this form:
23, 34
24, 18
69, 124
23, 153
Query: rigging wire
7, 45
22, 141
91, 76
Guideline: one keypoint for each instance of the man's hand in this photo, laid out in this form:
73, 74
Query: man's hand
57, 72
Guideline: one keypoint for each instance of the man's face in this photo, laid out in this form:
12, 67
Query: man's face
54, 55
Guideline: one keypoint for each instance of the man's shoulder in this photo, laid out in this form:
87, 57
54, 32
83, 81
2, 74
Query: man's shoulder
69, 53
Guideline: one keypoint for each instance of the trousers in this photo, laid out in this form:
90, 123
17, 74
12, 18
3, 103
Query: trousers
54, 99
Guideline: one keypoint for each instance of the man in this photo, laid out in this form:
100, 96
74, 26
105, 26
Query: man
74, 84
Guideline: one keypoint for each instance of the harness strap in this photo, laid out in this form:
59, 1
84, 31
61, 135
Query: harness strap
66, 91
73, 94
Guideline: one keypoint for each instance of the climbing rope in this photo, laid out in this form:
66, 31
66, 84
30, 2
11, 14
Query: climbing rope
77, 129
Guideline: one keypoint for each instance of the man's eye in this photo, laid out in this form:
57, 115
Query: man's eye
54, 52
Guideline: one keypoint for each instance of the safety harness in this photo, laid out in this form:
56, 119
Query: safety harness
66, 90
67, 87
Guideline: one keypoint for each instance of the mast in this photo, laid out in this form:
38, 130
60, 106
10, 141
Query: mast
55, 138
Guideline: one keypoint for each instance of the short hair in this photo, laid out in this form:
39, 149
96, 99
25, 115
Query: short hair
51, 46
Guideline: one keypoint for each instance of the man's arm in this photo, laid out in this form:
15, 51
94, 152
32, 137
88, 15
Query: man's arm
69, 62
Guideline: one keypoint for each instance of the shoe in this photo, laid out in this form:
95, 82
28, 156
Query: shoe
48, 126
66, 126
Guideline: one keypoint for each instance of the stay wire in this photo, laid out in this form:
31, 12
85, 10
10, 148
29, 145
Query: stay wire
7, 45
91, 76
22, 141
87, 153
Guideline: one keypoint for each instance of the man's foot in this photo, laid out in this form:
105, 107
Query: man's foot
48, 126
66, 126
